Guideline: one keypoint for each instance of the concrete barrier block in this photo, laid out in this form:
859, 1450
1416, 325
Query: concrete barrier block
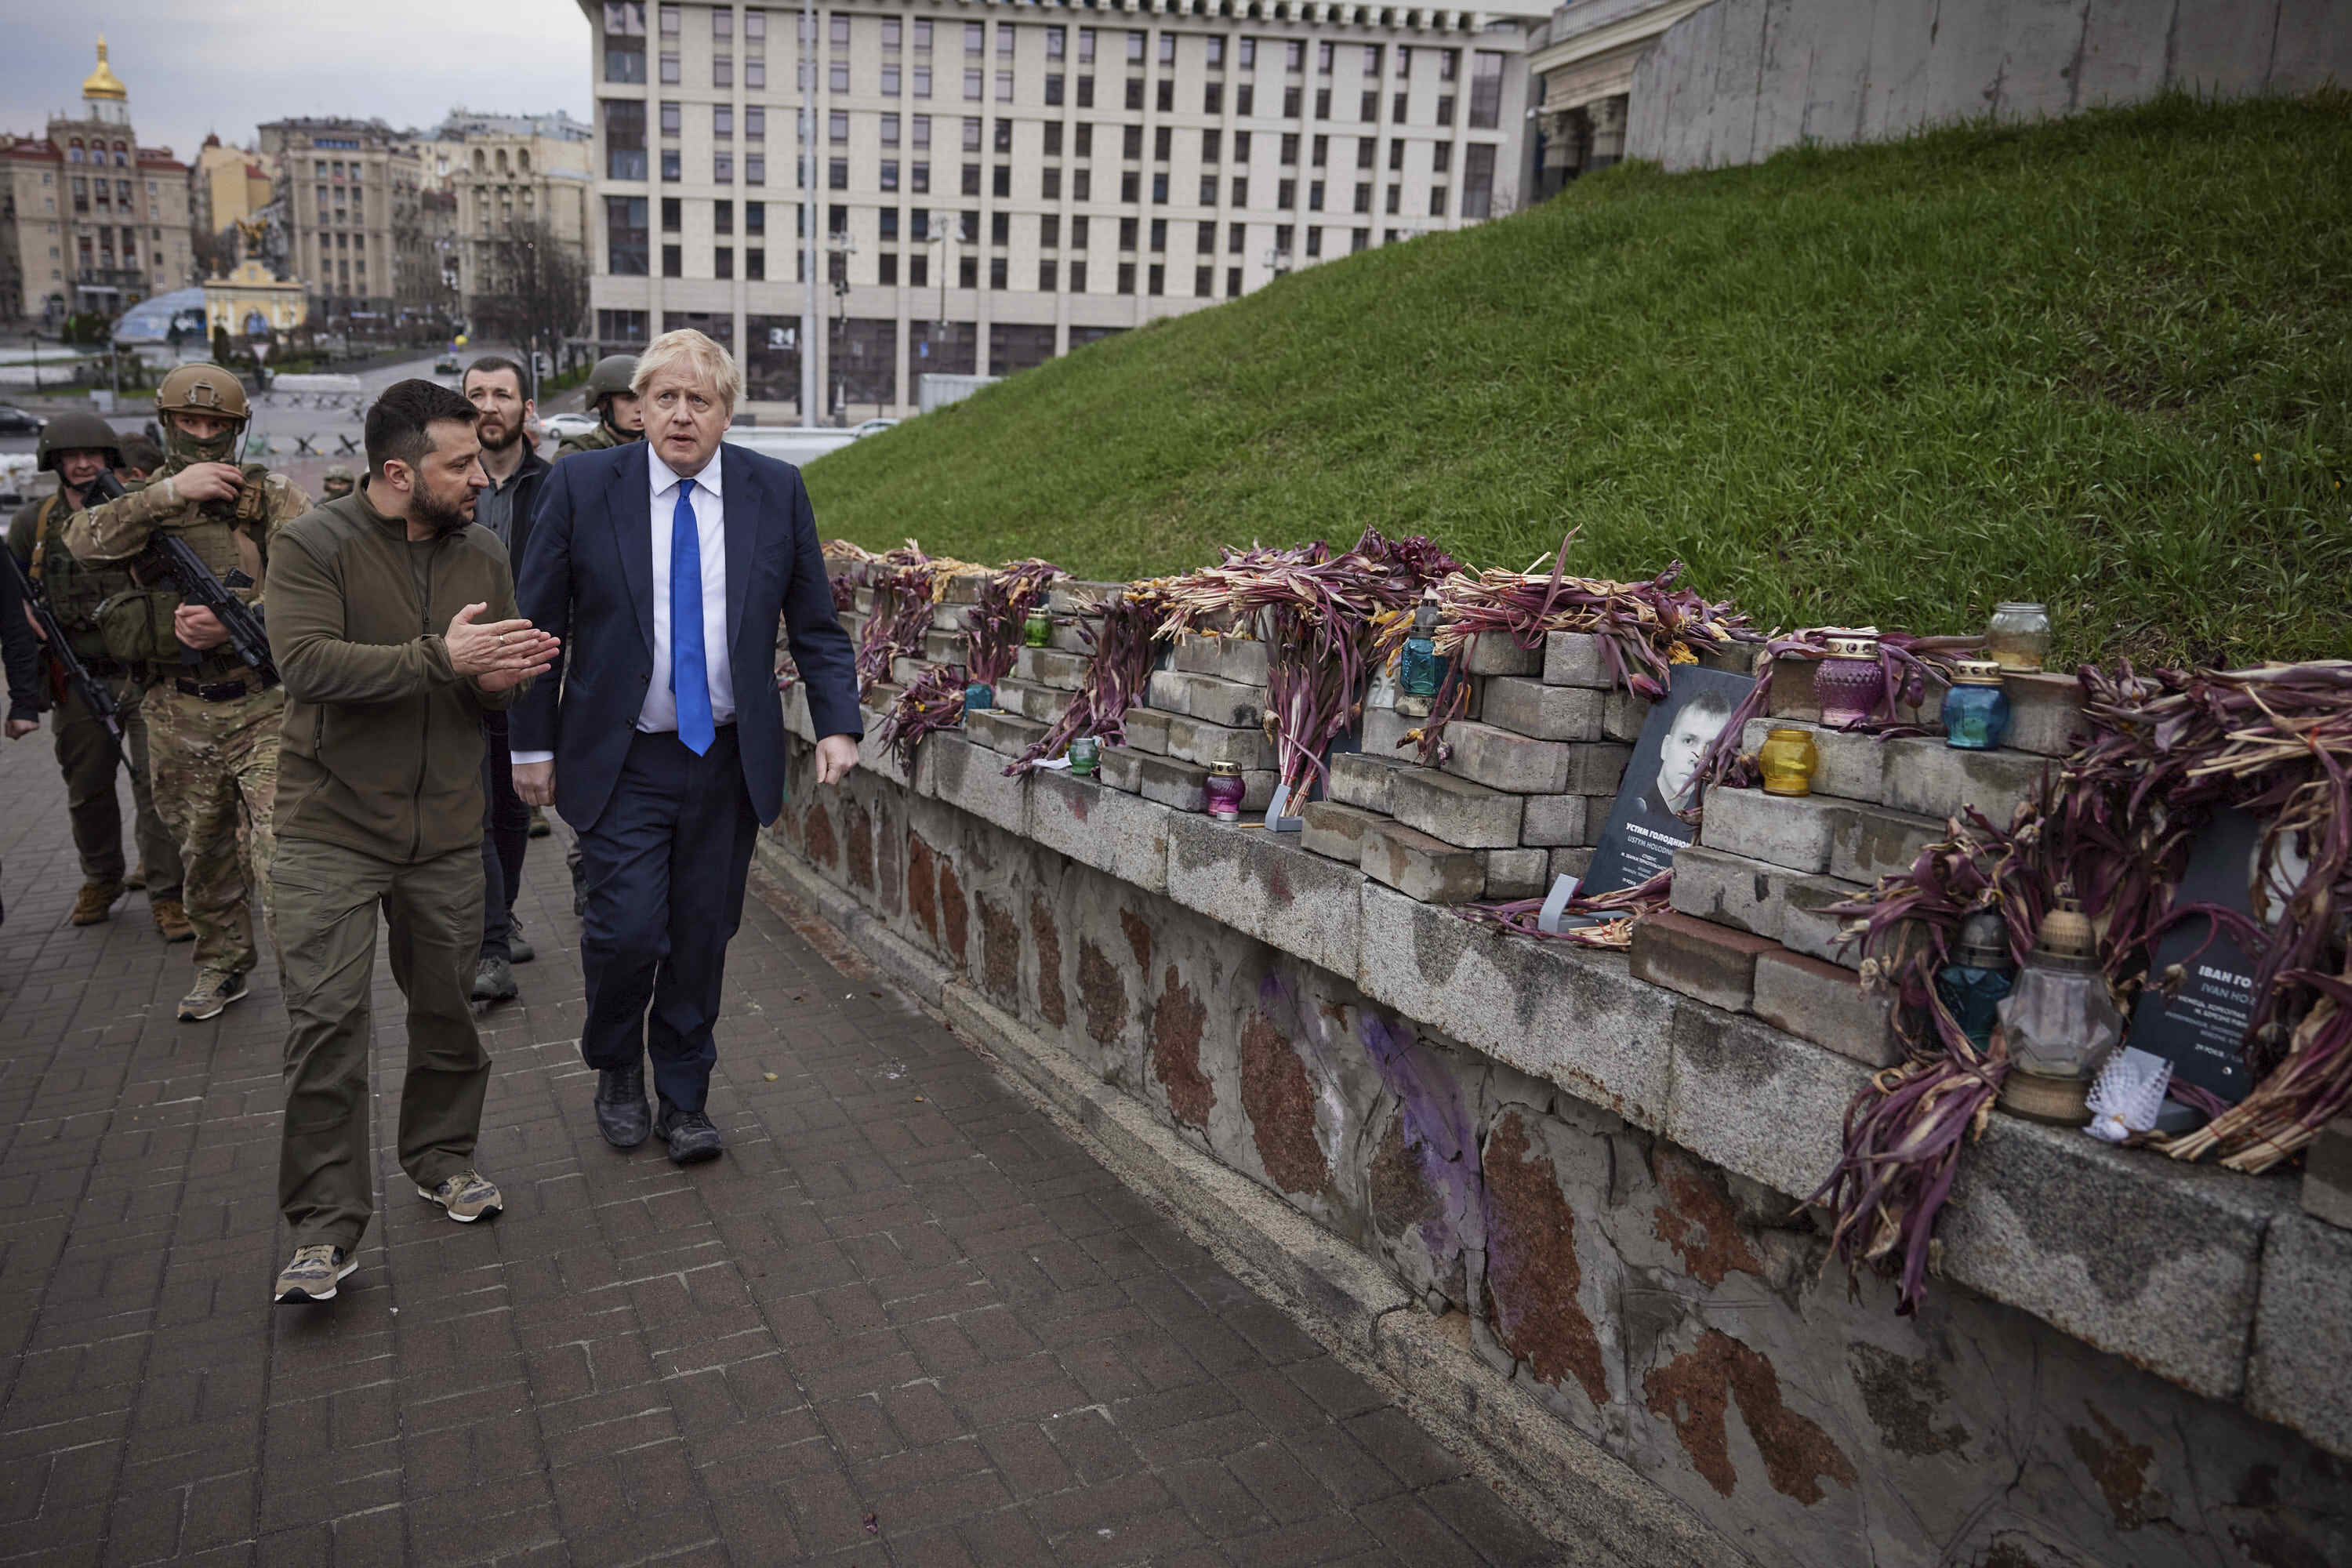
1382, 732
1207, 697
2301, 1370
1265, 885
1712, 963
1044, 704
971, 778
1070, 596
1147, 730
1335, 831
1050, 667
1496, 653
1570, 1018
1571, 860
1501, 760
2154, 1260
1198, 741
1826, 1005
1865, 843
906, 671
1455, 810
1176, 784
1365, 778
1551, 820
1517, 873
2327, 1174
1121, 767
1730, 889
950, 619
1007, 734
1597, 769
1758, 1101
1791, 831
1807, 927
1927, 777
1421, 867
1852, 766
946, 647
1576, 659
1122, 835
1790, 695
1239, 659
962, 587
1529, 707
2046, 714
1622, 714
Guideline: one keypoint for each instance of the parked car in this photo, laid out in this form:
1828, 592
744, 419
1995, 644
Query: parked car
446, 365
15, 421
871, 425
559, 425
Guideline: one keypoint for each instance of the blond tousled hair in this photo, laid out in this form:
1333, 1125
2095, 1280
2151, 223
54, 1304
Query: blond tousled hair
695, 351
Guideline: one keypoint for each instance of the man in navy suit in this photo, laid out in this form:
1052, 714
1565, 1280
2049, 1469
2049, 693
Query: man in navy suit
664, 566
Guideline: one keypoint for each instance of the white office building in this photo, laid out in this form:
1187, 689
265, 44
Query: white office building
998, 183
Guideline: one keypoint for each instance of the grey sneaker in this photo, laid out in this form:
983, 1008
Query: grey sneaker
313, 1274
214, 990
467, 1195
519, 948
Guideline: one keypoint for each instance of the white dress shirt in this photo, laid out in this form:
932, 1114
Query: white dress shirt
659, 714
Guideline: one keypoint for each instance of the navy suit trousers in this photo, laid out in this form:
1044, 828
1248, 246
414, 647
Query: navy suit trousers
665, 863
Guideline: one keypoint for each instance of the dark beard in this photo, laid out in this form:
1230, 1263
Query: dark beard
514, 434
441, 517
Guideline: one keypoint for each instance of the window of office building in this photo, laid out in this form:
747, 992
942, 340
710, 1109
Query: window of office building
922, 81
722, 123
625, 236
1486, 90
837, 175
722, 261
975, 38
673, 165
1441, 158
625, 139
755, 264
670, 119
723, 70
673, 213
624, 43
1160, 234
1437, 201
722, 22
1478, 180
673, 260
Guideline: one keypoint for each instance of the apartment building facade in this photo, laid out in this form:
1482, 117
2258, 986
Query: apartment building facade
356, 227
90, 221
997, 183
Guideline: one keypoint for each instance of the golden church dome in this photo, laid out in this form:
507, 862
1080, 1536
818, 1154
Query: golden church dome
102, 82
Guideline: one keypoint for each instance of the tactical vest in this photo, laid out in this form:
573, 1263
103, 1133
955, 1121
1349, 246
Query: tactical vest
224, 543
77, 591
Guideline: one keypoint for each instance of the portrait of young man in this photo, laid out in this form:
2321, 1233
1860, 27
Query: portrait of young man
666, 565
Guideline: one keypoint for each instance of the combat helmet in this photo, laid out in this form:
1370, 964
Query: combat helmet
78, 430
612, 373
338, 482
202, 389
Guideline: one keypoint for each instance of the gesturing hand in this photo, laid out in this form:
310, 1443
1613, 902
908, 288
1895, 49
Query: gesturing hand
496, 655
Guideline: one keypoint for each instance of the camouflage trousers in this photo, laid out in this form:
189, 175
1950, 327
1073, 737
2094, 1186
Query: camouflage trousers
215, 780
89, 764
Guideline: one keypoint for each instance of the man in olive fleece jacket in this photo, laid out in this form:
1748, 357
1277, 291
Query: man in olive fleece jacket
392, 622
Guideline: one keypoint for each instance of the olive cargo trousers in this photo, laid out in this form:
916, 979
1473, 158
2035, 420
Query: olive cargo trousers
327, 897
87, 759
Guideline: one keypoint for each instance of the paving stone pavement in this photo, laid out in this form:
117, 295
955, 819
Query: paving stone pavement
905, 1320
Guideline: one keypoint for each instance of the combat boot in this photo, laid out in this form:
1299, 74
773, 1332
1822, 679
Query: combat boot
95, 903
137, 880
172, 920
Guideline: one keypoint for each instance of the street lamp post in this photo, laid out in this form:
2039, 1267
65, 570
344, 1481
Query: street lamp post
841, 248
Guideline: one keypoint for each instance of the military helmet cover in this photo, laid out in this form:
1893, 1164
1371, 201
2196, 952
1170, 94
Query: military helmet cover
204, 389
612, 373
78, 430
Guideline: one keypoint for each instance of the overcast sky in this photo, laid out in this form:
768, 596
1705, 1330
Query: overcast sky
224, 65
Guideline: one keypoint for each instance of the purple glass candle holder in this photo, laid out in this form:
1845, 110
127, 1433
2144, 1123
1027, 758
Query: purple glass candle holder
1224, 790
1847, 684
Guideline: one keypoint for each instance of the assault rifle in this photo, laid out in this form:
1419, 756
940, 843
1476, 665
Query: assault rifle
198, 585
74, 674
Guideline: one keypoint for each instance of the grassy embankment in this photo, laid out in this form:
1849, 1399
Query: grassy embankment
2105, 363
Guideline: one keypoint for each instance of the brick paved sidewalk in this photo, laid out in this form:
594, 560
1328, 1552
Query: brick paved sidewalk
905, 1320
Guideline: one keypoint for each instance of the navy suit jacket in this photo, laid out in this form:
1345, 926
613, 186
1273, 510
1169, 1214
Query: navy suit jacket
587, 577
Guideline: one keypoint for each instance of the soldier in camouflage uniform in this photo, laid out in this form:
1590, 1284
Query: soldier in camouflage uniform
338, 482
619, 418
212, 723
79, 447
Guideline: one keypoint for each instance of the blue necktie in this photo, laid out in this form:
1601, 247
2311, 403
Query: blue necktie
690, 678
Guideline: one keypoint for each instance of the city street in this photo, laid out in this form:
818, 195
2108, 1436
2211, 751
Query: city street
906, 1319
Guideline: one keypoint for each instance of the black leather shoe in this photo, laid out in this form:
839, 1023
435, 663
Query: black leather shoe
692, 1137
622, 1115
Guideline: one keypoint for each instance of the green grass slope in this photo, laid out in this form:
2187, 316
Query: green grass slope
2105, 363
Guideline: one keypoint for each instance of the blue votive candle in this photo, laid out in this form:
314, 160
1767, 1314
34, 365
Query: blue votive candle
1975, 710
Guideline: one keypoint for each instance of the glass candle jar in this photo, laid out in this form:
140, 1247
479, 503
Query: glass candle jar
1085, 752
1225, 791
1420, 668
1847, 684
1975, 710
2058, 1021
1038, 630
2018, 635
1979, 976
1789, 758
979, 697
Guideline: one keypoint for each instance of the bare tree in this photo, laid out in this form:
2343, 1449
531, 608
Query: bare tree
533, 287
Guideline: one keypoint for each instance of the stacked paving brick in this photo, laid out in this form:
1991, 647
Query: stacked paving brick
1750, 929
1521, 798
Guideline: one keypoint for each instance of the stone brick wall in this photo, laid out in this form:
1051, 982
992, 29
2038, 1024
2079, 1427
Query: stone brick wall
2124, 1360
